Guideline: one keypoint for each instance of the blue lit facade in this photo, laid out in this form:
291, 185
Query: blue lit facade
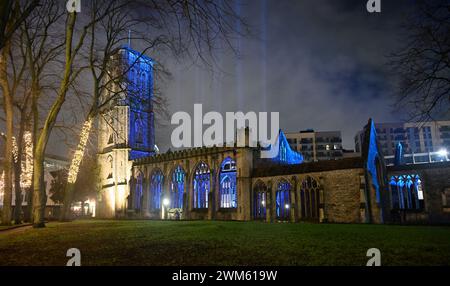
373, 160
139, 83
285, 154
237, 183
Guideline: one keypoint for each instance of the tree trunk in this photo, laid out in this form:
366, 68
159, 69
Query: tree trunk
18, 191
8, 164
75, 166
40, 196
68, 196
18, 172
28, 212
5, 11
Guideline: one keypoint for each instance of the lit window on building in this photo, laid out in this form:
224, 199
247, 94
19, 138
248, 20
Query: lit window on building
282, 200
407, 192
228, 188
260, 201
201, 186
156, 186
177, 188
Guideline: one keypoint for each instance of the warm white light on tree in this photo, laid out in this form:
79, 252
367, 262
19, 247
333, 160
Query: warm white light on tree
2, 186
78, 156
27, 162
15, 149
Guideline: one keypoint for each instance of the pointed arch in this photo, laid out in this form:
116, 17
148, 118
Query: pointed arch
110, 165
407, 192
282, 199
310, 199
227, 184
138, 192
177, 183
201, 184
156, 187
259, 200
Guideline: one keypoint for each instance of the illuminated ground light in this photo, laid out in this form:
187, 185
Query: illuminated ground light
443, 153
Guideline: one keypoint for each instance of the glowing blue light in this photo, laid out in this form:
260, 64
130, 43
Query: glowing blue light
286, 155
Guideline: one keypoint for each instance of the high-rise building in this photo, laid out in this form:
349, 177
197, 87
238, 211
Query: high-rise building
416, 139
316, 146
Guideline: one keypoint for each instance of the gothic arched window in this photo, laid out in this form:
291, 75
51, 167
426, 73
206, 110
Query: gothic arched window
260, 201
156, 186
138, 129
228, 188
110, 131
110, 167
133, 77
138, 192
407, 192
310, 198
143, 82
283, 204
201, 185
177, 188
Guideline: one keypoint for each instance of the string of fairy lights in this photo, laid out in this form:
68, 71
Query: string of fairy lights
78, 156
26, 164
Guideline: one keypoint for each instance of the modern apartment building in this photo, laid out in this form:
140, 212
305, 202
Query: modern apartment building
416, 138
316, 146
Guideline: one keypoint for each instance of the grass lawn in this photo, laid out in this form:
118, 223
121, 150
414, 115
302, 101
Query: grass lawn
224, 243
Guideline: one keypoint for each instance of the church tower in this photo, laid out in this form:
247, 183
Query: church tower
126, 127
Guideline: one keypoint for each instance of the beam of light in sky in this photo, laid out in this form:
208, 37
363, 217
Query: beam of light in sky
263, 46
238, 67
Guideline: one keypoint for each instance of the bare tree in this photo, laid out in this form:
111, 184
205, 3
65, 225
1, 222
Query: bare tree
181, 28
55, 61
72, 43
8, 106
18, 78
9, 21
423, 64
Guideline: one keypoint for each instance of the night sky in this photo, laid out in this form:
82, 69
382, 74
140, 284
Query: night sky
322, 64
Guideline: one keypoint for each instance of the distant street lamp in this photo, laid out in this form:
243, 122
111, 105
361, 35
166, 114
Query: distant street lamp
165, 203
443, 153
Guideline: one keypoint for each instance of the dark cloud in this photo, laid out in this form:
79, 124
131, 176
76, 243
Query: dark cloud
321, 64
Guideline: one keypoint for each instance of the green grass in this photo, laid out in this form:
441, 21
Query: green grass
224, 243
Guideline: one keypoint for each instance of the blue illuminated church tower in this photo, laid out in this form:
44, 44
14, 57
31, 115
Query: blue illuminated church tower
126, 126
